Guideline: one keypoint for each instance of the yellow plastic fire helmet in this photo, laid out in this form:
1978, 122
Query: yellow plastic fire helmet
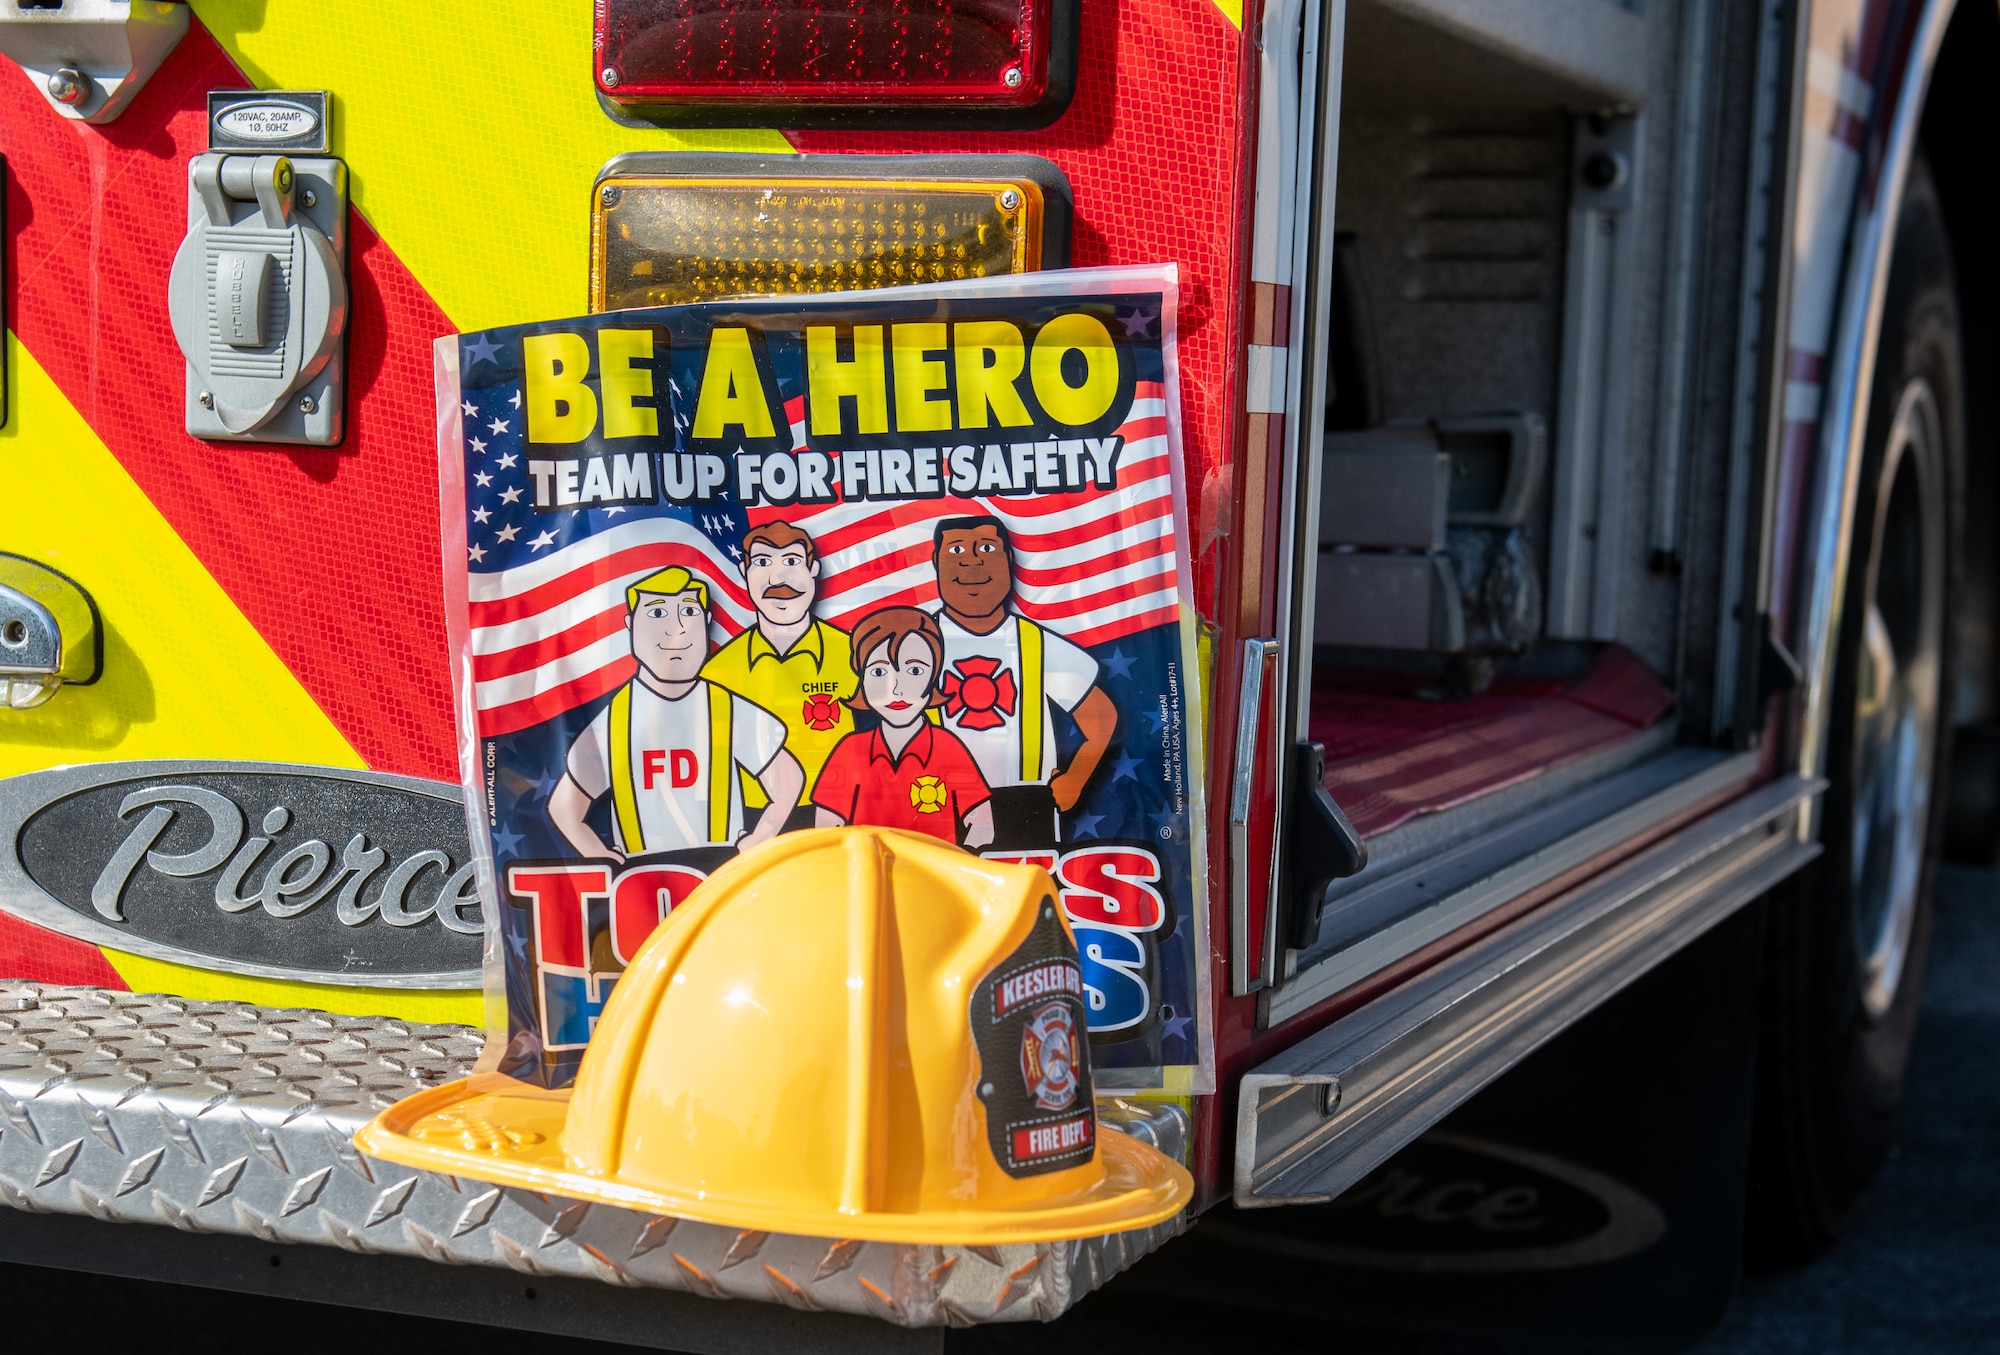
853, 1033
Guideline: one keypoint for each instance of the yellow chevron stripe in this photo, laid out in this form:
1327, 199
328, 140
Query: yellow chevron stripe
145, 975
471, 132
69, 504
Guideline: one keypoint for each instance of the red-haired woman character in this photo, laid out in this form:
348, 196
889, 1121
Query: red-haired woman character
907, 772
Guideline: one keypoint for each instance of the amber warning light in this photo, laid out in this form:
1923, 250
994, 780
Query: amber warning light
952, 57
668, 239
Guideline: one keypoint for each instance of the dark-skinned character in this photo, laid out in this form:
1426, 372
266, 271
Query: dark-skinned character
1002, 673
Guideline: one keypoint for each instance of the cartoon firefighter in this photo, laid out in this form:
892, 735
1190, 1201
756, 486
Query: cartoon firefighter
789, 662
906, 772
1002, 672
668, 746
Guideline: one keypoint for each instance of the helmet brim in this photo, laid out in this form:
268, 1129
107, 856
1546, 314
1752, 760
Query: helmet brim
493, 1128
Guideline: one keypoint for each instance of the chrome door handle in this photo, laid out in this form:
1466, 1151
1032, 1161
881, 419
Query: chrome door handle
49, 633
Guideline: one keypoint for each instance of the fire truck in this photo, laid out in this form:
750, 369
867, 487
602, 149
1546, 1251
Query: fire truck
1585, 484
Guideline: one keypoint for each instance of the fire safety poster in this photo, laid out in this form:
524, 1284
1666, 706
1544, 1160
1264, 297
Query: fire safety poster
915, 558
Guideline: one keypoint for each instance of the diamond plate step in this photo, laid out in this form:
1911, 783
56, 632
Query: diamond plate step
225, 1118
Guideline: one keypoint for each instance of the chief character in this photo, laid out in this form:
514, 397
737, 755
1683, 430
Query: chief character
906, 772
1002, 673
790, 663
669, 746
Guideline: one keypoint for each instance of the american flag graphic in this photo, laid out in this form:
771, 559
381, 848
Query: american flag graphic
546, 591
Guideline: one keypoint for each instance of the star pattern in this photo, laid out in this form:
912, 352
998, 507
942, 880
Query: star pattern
1124, 767
1118, 663
509, 516
1085, 825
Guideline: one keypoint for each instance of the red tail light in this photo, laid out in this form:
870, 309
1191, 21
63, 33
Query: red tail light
737, 60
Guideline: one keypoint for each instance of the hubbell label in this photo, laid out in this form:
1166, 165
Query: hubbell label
1034, 1058
268, 120
315, 873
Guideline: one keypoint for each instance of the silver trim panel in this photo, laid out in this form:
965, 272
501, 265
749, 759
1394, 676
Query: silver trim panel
1762, 297
1592, 422
1307, 378
1482, 891
1258, 656
1498, 812
1323, 1114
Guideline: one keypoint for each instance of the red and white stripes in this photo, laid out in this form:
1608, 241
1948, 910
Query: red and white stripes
549, 635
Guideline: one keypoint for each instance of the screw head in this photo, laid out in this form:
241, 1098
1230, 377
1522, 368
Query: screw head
1009, 200
308, 405
1013, 77
609, 77
610, 194
69, 86
1603, 170
310, 198
206, 399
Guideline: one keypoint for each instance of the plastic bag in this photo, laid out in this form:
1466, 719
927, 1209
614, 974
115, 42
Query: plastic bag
914, 557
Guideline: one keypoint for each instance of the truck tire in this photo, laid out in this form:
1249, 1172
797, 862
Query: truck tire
1845, 950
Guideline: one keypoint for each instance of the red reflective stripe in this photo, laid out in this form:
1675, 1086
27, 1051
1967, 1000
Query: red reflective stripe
29, 952
332, 554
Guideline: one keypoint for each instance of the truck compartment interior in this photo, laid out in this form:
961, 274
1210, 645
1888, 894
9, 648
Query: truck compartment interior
1395, 749
1450, 660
